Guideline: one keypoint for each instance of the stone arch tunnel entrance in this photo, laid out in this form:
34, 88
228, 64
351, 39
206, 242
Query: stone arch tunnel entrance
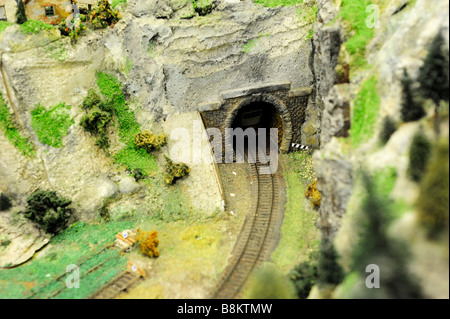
273, 105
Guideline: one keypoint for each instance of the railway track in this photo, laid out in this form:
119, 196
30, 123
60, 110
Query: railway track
256, 239
112, 289
121, 283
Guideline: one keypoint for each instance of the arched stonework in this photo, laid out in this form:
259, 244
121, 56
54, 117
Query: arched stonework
280, 107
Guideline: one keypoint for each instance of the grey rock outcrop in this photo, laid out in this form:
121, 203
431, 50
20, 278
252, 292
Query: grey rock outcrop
335, 182
336, 115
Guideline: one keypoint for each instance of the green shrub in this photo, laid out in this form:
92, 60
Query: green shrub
175, 171
104, 15
412, 109
269, 283
48, 210
51, 125
419, 154
434, 75
5, 202
303, 277
34, 27
9, 128
98, 117
433, 200
203, 7
388, 129
21, 15
96, 122
138, 174
149, 141
72, 32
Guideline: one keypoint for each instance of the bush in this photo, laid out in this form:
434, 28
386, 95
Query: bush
149, 141
433, 200
72, 32
138, 174
21, 14
387, 130
97, 118
48, 210
148, 243
5, 202
104, 15
412, 109
175, 171
419, 155
303, 277
313, 194
203, 7
269, 283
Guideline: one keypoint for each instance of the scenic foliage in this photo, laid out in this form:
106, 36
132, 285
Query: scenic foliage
434, 74
329, 271
9, 127
21, 15
419, 154
98, 117
388, 129
175, 171
104, 15
374, 246
433, 200
5, 202
149, 141
53, 124
148, 243
412, 108
48, 210
304, 277
313, 194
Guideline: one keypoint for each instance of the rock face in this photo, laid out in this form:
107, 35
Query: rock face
22, 238
336, 114
167, 64
335, 182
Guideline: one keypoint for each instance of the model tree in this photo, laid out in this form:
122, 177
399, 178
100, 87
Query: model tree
412, 110
375, 246
329, 270
433, 75
21, 14
5, 202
